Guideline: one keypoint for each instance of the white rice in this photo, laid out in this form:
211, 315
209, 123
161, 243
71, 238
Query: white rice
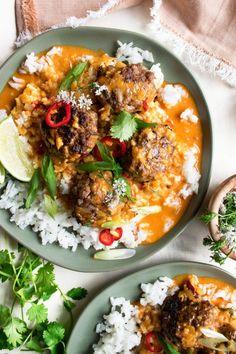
191, 173
159, 76
34, 64
119, 330
16, 83
133, 55
63, 229
188, 115
170, 95
155, 294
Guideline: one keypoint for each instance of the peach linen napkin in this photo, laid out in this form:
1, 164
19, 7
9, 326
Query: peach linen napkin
202, 32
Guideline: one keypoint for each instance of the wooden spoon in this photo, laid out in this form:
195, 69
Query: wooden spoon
214, 205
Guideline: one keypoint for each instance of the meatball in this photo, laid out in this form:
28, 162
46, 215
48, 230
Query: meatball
75, 139
182, 318
127, 87
150, 152
95, 200
228, 331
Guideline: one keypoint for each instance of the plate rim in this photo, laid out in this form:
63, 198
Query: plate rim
210, 153
145, 269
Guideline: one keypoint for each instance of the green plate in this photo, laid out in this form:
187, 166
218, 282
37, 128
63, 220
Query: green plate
174, 71
83, 335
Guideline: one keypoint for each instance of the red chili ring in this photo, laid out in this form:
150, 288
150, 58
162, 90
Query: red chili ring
52, 110
118, 151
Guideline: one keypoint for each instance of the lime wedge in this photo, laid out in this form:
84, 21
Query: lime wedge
2, 174
13, 154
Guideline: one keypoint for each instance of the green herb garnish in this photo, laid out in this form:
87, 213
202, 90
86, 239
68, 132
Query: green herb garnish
226, 222
126, 125
168, 348
72, 75
32, 281
108, 163
50, 205
33, 189
122, 188
49, 176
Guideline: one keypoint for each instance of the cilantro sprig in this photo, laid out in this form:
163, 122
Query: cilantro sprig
32, 282
226, 222
125, 126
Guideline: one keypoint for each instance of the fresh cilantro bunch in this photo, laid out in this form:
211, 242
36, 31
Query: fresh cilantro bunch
227, 223
125, 126
32, 282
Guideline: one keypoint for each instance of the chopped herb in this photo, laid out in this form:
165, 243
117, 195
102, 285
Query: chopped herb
50, 205
49, 176
73, 75
126, 125
227, 227
33, 189
32, 281
208, 216
108, 163
168, 348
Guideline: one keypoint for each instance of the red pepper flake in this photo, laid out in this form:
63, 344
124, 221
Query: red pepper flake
117, 147
152, 343
145, 105
58, 114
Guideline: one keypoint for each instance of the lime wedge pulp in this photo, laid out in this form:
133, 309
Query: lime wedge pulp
2, 174
13, 154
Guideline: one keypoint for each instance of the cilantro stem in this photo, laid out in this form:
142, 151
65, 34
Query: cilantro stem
13, 304
22, 313
64, 297
5, 274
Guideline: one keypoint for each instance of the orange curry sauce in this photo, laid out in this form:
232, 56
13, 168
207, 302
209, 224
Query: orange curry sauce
186, 132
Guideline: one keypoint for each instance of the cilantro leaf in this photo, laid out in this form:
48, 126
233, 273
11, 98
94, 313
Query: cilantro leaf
33, 189
77, 293
45, 281
4, 257
6, 272
5, 314
69, 305
54, 334
34, 344
126, 125
14, 330
50, 205
208, 216
3, 341
49, 176
37, 313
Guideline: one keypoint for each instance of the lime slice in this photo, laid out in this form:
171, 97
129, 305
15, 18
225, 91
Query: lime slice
111, 255
2, 174
13, 154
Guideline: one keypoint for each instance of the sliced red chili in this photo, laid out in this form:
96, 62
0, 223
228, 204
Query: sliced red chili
106, 238
117, 147
58, 114
117, 233
145, 105
152, 343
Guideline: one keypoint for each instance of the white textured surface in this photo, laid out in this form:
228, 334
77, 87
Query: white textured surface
222, 104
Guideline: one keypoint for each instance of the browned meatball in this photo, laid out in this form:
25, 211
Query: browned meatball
150, 152
127, 87
75, 139
95, 199
182, 318
228, 331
